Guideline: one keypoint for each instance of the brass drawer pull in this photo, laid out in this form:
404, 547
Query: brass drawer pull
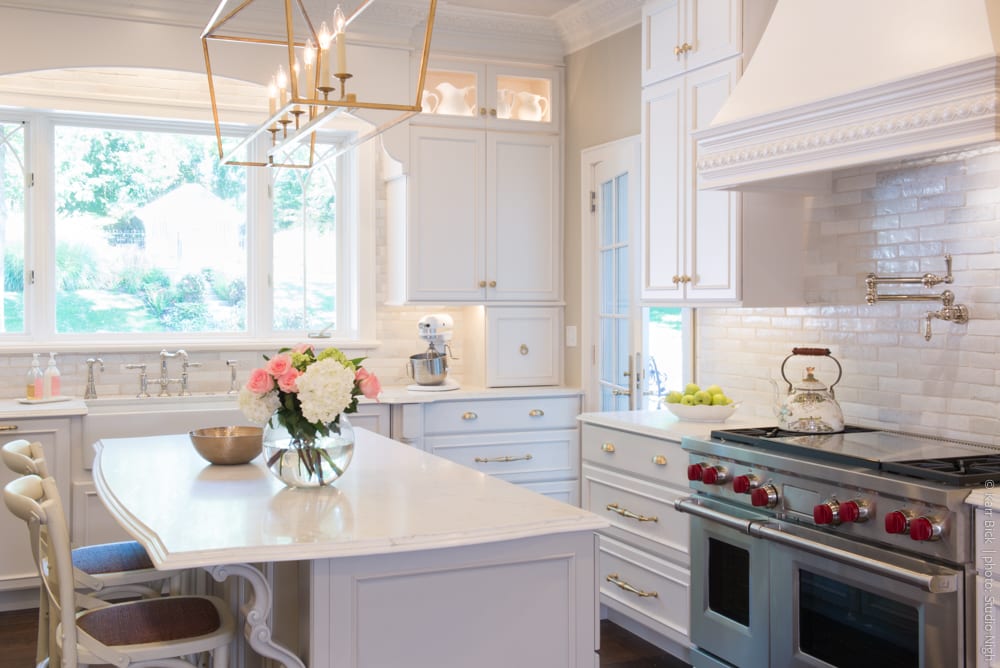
505, 458
536, 412
624, 512
659, 460
608, 447
8, 427
621, 584
469, 415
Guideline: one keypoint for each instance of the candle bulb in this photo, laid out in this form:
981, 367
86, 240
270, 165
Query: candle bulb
282, 85
340, 23
295, 74
272, 98
325, 37
309, 62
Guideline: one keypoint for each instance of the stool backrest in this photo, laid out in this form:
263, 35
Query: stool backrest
25, 458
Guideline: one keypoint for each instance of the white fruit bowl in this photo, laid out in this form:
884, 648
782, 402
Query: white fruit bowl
702, 413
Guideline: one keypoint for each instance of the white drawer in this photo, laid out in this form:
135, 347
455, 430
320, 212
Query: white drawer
668, 612
566, 491
641, 512
639, 455
463, 417
515, 457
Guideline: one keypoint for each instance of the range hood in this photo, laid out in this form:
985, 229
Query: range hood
852, 82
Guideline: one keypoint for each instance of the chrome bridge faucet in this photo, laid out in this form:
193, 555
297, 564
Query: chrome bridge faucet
91, 391
165, 380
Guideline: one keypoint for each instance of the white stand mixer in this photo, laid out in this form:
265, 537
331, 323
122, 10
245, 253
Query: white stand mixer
430, 368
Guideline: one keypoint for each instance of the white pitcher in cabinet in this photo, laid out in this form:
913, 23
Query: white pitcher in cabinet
454, 100
531, 107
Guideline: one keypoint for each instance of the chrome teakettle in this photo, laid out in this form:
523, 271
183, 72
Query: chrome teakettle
809, 406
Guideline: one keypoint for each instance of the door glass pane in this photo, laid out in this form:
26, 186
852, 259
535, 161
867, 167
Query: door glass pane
622, 282
615, 342
150, 233
608, 226
882, 632
607, 365
607, 279
621, 213
305, 248
12, 224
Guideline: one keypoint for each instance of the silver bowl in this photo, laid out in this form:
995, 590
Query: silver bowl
228, 445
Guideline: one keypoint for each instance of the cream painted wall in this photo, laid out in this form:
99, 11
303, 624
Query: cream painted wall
603, 91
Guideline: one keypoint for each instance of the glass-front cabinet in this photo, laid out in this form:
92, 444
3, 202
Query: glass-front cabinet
489, 95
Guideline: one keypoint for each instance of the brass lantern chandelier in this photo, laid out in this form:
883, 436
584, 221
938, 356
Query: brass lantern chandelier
310, 88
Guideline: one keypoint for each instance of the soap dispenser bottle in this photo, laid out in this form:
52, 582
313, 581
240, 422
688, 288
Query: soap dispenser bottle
51, 379
33, 381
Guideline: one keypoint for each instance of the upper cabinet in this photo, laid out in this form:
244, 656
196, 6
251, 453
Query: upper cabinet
712, 248
477, 218
470, 94
681, 35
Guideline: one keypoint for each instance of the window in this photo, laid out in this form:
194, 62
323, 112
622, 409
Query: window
142, 235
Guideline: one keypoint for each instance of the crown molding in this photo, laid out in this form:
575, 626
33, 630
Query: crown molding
586, 22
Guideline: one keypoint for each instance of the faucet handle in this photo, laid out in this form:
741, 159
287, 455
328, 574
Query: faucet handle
143, 380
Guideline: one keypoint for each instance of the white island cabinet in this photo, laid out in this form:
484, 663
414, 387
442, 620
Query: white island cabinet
409, 560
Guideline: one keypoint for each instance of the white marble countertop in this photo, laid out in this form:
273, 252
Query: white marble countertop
13, 409
393, 498
663, 424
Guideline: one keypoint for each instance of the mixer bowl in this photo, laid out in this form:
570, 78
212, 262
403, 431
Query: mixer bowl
428, 368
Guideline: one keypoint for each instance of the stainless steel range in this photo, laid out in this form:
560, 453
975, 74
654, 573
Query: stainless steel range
848, 549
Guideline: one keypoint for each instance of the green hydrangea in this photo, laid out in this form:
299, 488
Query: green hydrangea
334, 353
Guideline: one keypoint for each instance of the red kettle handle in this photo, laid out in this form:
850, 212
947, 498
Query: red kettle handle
817, 352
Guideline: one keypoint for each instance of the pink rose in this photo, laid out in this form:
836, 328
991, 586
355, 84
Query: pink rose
303, 347
368, 383
287, 380
279, 365
260, 382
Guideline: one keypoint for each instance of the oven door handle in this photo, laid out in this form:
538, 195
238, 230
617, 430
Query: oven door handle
936, 583
692, 506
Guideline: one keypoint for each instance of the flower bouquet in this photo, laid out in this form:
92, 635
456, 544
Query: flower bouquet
301, 397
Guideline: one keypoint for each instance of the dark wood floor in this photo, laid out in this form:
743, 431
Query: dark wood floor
619, 648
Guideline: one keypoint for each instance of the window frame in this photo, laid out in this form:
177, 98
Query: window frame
355, 243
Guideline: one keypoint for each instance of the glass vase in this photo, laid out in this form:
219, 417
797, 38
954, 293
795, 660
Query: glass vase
302, 463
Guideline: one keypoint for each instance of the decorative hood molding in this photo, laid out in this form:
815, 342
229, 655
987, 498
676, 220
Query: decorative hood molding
838, 84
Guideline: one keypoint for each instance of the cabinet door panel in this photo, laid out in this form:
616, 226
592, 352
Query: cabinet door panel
446, 256
714, 30
713, 246
661, 32
663, 187
522, 219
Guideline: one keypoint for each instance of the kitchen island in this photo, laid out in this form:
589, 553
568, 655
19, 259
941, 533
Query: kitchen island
409, 560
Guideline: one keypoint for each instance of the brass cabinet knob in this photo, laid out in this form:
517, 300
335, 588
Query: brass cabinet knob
469, 415
482, 284
523, 349
659, 460
493, 113
536, 412
685, 279
493, 284
676, 279
482, 111
608, 447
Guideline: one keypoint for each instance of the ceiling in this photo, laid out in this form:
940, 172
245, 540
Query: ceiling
542, 8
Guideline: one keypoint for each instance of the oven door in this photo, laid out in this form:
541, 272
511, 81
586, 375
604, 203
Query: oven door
885, 610
729, 585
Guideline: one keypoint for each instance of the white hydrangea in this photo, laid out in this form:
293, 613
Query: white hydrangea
325, 390
258, 409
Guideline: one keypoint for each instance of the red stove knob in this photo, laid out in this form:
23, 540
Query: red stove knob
742, 484
696, 472
827, 513
715, 475
897, 522
765, 496
925, 528
853, 511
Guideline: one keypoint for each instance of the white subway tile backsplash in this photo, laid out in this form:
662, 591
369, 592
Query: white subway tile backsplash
905, 218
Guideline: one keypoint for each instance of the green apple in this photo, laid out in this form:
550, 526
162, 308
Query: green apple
721, 400
691, 388
714, 390
688, 400
674, 397
702, 398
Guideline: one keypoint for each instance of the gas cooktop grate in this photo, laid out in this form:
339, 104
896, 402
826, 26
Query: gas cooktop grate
975, 470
